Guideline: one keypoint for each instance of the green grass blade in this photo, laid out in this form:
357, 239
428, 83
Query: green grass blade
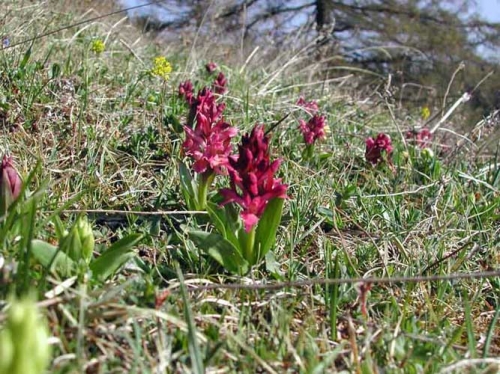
194, 347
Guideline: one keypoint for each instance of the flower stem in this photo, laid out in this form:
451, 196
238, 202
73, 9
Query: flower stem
205, 180
308, 152
248, 246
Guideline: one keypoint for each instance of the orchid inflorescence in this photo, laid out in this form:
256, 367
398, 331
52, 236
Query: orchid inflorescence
209, 143
421, 138
314, 129
220, 84
186, 91
378, 148
211, 67
252, 177
311, 107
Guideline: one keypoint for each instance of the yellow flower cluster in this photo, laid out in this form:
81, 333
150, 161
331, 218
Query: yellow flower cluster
98, 46
161, 68
425, 113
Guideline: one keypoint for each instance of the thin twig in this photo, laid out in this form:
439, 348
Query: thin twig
40, 36
326, 281
137, 213
464, 98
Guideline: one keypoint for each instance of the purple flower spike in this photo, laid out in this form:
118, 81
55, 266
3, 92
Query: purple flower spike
252, 178
421, 138
375, 147
186, 91
209, 143
314, 129
220, 84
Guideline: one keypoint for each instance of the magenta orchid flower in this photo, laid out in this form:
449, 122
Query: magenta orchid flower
314, 129
311, 107
211, 67
376, 147
421, 137
220, 84
252, 178
186, 91
209, 143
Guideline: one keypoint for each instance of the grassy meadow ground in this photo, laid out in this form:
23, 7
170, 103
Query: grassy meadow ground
105, 136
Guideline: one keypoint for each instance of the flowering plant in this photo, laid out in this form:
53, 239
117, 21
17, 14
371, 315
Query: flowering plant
74, 253
209, 145
211, 67
186, 91
24, 347
97, 46
161, 68
310, 107
421, 138
312, 130
220, 84
425, 113
244, 241
376, 148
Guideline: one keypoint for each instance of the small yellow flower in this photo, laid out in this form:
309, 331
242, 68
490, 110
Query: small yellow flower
98, 46
425, 113
326, 129
161, 67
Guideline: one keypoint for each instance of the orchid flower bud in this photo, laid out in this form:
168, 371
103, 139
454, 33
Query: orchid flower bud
427, 153
86, 237
23, 341
78, 244
10, 184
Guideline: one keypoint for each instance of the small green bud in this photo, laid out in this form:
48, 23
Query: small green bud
23, 341
427, 153
86, 237
78, 244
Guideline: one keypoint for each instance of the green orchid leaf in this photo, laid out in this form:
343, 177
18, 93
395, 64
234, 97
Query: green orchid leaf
51, 257
328, 213
188, 186
59, 227
225, 222
221, 250
111, 260
172, 120
265, 235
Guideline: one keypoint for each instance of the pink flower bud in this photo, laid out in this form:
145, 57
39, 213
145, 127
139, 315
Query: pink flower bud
10, 181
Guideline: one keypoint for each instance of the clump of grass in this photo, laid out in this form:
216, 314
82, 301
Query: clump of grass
107, 136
